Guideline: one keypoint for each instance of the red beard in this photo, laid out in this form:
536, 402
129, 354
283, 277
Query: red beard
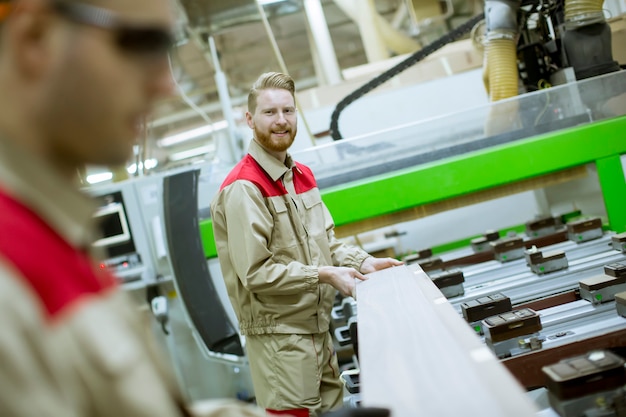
276, 144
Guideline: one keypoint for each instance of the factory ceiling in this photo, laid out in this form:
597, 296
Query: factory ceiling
243, 47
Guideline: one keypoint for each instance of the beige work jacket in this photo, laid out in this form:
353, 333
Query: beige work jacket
272, 232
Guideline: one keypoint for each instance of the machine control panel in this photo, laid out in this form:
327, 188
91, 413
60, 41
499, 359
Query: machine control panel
126, 268
117, 243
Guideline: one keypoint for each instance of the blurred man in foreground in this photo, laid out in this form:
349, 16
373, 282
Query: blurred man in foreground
76, 79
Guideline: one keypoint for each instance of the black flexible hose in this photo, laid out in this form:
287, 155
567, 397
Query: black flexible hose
398, 68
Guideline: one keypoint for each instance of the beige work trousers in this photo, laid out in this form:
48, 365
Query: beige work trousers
295, 372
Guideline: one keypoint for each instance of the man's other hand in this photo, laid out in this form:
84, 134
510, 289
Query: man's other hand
341, 278
372, 264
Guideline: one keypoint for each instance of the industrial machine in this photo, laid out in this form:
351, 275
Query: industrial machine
450, 162
150, 240
528, 45
528, 138
124, 238
537, 320
535, 42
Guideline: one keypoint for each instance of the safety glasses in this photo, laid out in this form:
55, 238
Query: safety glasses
132, 38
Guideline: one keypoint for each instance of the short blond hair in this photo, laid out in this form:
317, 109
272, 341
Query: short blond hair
270, 80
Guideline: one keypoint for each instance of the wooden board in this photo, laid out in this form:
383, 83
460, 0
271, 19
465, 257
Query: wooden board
418, 357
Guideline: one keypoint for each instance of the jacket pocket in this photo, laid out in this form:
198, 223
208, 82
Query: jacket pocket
315, 214
279, 205
311, 199
283, 235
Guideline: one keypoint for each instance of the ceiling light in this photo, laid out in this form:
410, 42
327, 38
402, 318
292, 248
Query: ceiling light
148, 164
179, 156
192, 134
100, 177
266, 2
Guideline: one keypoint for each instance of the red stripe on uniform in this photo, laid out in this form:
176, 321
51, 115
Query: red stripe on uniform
303, 179
248, 169
57, 272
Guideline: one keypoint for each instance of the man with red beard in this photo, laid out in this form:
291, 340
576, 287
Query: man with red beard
281, 261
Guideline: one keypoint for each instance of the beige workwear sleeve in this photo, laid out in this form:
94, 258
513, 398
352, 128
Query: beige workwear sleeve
85, 361
249, 225
343, 254
30, 387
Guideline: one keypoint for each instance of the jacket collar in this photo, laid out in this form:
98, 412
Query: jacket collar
274, 168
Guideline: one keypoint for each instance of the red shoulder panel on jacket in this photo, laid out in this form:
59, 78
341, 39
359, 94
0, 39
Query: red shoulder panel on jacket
304, 180
57, 272
248, 169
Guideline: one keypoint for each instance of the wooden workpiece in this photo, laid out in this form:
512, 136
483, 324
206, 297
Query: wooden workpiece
418, 357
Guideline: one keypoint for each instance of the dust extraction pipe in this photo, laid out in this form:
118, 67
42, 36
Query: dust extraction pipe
500, 72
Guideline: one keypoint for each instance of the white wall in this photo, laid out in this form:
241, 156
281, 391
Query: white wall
615, 7
409, 104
